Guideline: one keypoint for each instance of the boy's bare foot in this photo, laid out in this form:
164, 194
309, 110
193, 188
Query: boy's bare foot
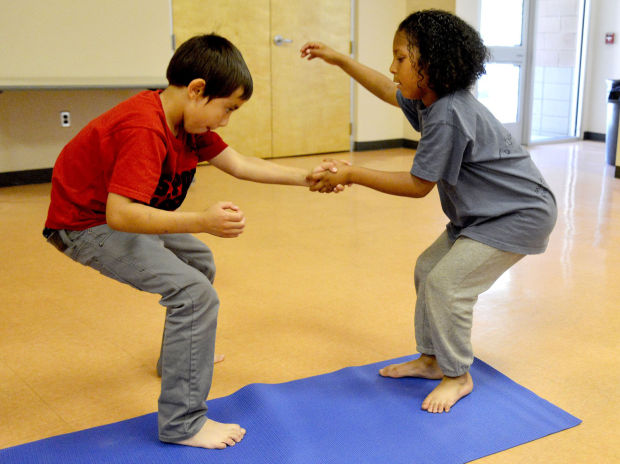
425, 367
215, 435
447, 393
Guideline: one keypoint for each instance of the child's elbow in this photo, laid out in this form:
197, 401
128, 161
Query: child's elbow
420, 187
116, 212
113, 220
419, 193
116, 218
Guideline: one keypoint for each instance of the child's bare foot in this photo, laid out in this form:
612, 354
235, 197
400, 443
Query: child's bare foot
447, 393
215, 435
425, 367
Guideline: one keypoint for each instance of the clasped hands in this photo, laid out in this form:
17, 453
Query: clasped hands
329, 176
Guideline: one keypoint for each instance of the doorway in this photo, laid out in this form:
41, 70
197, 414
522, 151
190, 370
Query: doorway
557, 69
533, 83
502, 88
289, 97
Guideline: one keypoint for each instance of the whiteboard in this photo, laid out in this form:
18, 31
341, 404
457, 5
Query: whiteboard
84, 43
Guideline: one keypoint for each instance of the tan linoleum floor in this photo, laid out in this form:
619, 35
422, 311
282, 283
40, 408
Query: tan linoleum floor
317, 283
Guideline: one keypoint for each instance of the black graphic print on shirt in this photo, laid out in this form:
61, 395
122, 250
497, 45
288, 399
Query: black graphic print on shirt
171, 192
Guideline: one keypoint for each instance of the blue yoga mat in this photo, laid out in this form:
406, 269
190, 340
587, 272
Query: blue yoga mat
349, 416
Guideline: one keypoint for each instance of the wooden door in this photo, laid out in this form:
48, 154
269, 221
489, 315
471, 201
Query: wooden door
311, 100
246, 24
297, 107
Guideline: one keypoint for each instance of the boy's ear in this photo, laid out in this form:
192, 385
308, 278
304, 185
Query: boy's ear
196, 88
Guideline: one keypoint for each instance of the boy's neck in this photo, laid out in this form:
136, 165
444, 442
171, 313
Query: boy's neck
173, 102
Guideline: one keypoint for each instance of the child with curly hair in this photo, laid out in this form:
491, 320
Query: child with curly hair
498, 204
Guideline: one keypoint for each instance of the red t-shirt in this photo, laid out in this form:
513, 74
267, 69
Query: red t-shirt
130, 151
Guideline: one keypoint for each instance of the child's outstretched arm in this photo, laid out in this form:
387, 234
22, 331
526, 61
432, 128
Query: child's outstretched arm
375, 82
394, 183
259, 170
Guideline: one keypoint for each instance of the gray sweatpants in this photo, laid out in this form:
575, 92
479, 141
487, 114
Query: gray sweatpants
180, 268
449, 276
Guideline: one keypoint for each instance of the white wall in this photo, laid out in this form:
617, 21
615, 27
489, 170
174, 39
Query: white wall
375, 25
468, 11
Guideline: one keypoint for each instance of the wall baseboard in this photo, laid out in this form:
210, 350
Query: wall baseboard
384, 144
41, 176
594, 136
31, 176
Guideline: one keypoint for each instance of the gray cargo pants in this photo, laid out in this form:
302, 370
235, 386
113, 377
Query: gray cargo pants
180, 268
449, 277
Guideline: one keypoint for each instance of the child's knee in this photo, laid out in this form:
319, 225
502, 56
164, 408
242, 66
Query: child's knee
206, 265
440, 285
193, 293
209, 271
423, 267
203, 295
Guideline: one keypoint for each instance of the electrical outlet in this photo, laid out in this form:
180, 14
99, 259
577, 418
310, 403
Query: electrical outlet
65, 119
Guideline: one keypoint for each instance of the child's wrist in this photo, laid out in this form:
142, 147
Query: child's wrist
347, 173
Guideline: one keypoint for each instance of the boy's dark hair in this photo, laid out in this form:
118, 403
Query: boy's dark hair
451, 51
214, 59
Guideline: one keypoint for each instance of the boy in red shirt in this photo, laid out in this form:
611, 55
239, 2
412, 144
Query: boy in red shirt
115, 190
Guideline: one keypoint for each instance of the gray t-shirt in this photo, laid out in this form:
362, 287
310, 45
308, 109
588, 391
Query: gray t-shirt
489, 187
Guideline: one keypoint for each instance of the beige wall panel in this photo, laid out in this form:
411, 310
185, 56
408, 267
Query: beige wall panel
246, 24
30, 132
84, 43
311, 101
415, 5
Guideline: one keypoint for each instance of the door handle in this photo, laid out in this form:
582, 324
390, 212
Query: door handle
279, 40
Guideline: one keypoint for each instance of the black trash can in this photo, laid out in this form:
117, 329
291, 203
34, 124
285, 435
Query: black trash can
613, 113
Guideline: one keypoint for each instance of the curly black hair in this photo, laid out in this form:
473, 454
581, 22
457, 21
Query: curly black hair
451, 51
